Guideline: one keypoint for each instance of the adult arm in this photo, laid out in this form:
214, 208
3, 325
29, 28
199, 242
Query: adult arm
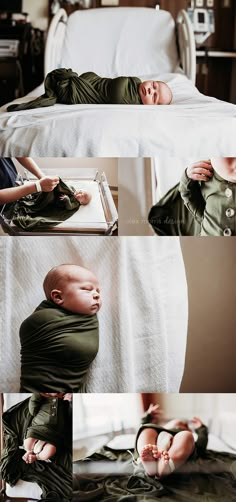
31, 166
12, 194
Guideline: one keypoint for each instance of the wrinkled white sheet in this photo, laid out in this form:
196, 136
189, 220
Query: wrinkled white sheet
193, 125
143, 321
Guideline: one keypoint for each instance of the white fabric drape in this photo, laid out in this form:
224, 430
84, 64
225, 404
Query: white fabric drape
143, 321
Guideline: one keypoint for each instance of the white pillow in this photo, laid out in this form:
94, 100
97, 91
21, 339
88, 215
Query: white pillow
120, 41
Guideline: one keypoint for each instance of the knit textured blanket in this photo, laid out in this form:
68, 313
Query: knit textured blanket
57, 348
67, 87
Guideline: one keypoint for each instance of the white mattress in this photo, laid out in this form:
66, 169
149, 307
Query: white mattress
193, 125
22, 488
143, 321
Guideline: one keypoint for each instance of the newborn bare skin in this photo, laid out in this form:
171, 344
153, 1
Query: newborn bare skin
81, 196
155, 92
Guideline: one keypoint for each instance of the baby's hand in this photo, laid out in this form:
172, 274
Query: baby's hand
62, 197
67, 397
196, 422
154, 411
201, 170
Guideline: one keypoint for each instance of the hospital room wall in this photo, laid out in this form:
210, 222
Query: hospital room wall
208, 406
210, 358
38, 12
107, 165
135, 195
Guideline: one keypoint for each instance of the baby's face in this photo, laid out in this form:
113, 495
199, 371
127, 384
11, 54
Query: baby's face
225, 167
82, 196
81, 293
155, 92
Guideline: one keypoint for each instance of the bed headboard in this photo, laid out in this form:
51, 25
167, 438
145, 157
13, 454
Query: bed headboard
107, 41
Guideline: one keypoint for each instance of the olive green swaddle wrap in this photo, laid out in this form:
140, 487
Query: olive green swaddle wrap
48, 420
169, 216
54, 478
67, 87
44, 209
57, 348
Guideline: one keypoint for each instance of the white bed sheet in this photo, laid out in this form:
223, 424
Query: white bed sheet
193, 125
143, 321
22, 488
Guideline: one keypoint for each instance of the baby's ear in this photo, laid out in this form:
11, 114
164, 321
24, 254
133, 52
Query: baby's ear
56, 296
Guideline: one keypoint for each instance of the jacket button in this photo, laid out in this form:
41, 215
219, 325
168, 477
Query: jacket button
228, 192
227, 232
229, 212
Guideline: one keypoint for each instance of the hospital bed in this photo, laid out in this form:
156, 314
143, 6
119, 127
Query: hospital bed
99, 217
113, 42
24, 489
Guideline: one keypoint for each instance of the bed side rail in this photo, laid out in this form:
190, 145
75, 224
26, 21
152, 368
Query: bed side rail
54, 42
187, 46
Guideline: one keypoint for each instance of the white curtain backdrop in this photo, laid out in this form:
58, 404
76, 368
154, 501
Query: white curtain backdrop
143, 321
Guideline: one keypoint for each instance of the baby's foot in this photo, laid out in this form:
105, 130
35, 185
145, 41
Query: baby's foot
165, 456
149, 456
29, 457
165, 465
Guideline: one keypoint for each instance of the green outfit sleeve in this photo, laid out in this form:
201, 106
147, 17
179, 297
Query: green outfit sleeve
202, 440
191, 194
35, 403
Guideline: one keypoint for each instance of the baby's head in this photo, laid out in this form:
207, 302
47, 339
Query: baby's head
83, 197
225, 167
155, 92
73, 288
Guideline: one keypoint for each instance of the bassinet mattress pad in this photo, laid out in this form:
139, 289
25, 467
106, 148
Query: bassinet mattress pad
193, 125
143, 320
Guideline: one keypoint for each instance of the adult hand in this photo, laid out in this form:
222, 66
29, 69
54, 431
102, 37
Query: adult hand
202, 171
48, 183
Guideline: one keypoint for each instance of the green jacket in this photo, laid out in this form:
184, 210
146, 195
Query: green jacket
67, 87
212, 203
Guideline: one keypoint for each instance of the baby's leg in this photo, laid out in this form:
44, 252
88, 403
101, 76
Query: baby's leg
148, 451
29, 444
164, 440
47, 452
181, 448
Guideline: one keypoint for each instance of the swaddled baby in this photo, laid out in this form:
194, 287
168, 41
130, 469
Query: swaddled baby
49, 422
60, 339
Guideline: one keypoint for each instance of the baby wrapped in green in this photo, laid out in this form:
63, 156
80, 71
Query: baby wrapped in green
57, 348
67, 87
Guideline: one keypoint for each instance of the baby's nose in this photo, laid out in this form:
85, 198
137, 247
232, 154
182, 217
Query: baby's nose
96, 294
